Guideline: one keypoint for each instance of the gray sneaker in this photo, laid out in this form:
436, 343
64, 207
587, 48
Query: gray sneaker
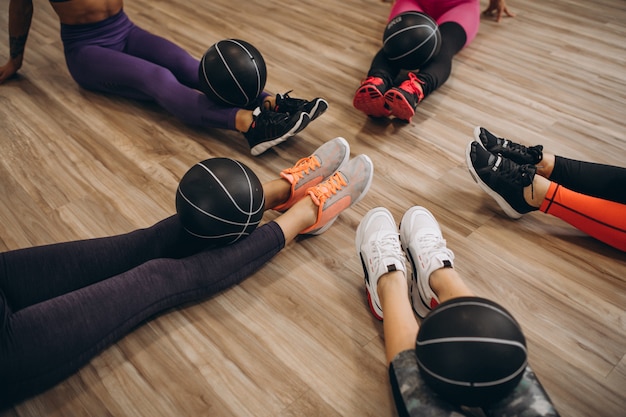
342, 190
310, 171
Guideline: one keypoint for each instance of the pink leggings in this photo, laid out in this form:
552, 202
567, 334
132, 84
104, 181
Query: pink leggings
464, 12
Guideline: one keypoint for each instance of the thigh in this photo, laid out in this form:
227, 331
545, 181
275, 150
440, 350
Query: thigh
102, 69
160, 51
403, 6
464, 12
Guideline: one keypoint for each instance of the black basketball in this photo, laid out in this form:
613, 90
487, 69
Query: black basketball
220, 200
471, 351
233, 73
411, 39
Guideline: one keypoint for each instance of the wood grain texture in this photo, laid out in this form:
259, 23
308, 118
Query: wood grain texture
297, 338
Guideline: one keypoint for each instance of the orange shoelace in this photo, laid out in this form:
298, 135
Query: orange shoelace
329, 187
414, 86
302, 167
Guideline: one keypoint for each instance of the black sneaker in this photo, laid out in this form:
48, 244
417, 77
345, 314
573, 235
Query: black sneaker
270, 128
517, 153
313, 108
501, 178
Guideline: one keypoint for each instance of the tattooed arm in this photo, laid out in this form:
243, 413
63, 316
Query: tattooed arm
20, 17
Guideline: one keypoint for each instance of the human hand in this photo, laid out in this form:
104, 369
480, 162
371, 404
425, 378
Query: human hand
497, 7
9, 69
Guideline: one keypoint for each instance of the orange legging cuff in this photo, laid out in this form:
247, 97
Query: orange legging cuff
602, 219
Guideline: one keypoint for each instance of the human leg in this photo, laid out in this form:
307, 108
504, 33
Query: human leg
48, 341
45, 342
413, 87
517, 190
379, 246
370, 96
72, 265
599, 218
164, 53
103, 69
29, 276
503, 179
137, 78
379, 249
598, 180
607, 182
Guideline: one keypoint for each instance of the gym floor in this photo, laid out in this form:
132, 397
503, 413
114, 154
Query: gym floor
297, 338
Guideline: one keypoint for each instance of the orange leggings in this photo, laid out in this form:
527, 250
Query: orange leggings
602, 219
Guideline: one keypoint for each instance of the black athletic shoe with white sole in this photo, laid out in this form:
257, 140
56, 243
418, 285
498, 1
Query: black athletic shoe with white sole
313, 108
517, 153
501, 178
270, 128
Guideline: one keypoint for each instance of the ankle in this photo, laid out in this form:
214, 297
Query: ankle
392, 281
276, 192
243, 120
535, 193
446, 283
546, 165
310, 211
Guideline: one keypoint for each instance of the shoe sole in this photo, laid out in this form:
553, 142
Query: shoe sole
297, 127
359, 198
370, 101
320, 107
506, 207
424, 307
399, 105
358, 239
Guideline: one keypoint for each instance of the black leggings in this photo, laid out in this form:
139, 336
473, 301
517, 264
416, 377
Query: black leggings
597, 180
436, 71
62, 304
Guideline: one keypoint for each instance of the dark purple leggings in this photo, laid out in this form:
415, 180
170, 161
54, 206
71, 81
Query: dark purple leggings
62, 304
116, 56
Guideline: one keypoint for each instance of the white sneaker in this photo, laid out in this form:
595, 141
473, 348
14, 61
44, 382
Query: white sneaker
378, 247
426, 249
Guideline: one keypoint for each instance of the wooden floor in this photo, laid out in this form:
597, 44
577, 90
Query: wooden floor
297, 339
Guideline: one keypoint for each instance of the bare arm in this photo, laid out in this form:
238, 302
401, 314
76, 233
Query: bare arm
20, 17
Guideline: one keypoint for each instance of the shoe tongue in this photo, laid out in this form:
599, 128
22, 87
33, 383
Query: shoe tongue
391, 264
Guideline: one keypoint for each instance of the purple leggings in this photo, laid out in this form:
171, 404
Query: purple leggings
116, 56
62, 304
